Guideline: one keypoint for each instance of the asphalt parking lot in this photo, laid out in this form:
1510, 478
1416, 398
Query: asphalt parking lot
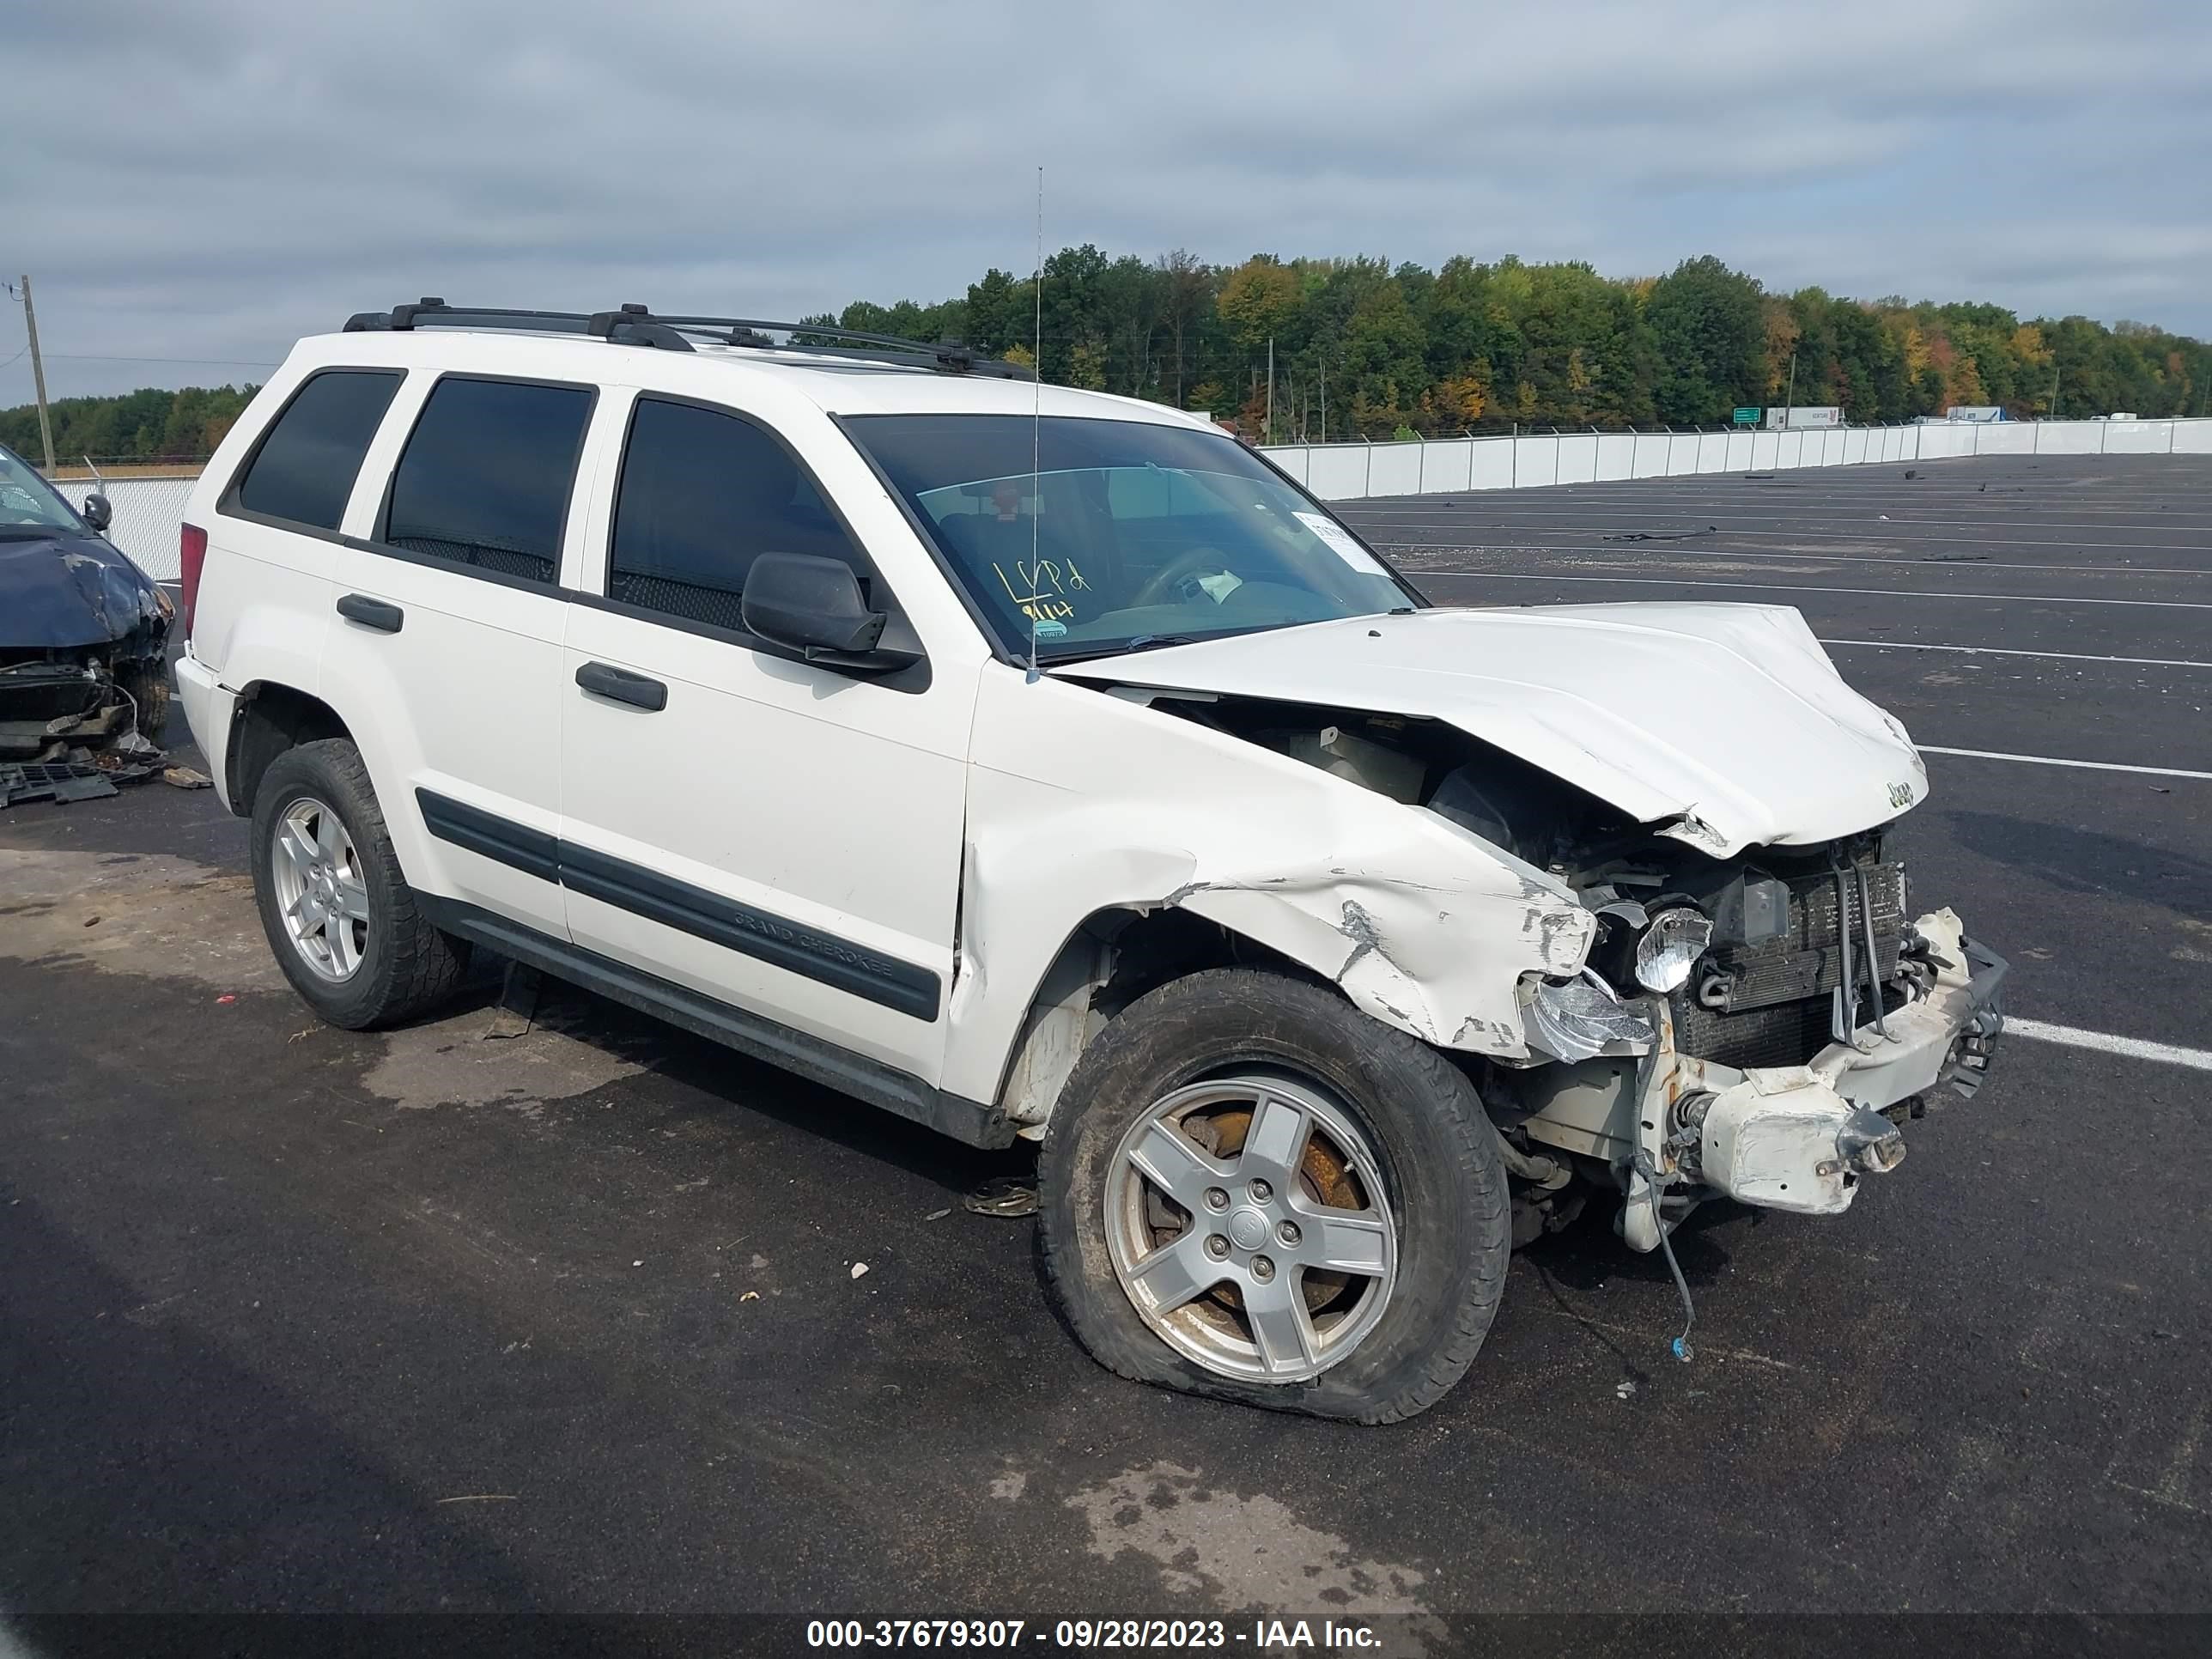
297, 1319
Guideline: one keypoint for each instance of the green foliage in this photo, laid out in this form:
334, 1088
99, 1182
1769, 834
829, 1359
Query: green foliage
1363, 349
145, 425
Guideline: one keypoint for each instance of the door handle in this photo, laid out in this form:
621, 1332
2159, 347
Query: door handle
372, 613
605, 680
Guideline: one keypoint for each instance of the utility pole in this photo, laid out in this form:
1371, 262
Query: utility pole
1324, 399
1271, 391
2054, 388
1790, 398
38, 375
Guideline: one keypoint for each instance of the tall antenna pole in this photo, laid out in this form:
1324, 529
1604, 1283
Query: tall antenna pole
1037, 429
1270, 437
38, 376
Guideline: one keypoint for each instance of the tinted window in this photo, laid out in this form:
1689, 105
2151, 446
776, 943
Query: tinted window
305, 466
487, 473
703, 496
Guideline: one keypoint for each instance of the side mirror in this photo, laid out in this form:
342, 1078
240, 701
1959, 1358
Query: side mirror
810, 603
98, 511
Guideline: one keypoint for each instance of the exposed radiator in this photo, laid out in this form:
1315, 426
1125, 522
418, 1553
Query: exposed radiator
1772, 1004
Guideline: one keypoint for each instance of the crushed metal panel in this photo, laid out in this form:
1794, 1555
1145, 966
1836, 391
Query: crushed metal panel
1081, 803
1727, 722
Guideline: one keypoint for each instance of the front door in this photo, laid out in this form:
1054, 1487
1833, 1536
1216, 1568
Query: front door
775, 834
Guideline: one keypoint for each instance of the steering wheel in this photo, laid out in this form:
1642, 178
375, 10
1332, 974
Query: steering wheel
1175, 572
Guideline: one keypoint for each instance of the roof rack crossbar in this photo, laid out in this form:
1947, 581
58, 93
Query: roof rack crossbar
636, 324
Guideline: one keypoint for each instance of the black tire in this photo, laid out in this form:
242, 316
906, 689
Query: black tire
149, 690
1425, 1126
408, 965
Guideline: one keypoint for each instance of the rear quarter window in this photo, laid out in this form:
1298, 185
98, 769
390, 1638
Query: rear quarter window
304, 467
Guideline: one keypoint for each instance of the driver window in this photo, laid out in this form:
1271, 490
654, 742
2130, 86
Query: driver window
704, 494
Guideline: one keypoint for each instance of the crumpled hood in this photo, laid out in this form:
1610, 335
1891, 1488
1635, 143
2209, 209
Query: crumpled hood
59, 592
1728, 718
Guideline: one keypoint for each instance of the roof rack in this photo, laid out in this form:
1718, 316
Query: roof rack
636, 324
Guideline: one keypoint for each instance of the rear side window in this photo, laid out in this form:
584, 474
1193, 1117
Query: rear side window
486, 474
703, 495
305, 467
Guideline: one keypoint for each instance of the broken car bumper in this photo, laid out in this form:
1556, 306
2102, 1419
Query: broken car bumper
1800, 1137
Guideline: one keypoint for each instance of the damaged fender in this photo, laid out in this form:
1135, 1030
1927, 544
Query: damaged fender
1424, 926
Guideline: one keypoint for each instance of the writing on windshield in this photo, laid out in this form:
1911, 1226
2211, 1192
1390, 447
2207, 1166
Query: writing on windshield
1090, 535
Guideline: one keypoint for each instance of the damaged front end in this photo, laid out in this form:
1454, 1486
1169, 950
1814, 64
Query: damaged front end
1752, 1023
83, 637
1780, 1069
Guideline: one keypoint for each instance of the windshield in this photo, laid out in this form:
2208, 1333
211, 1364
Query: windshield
28, 502
1120, 534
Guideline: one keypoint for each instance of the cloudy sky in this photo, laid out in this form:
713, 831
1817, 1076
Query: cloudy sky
193, 185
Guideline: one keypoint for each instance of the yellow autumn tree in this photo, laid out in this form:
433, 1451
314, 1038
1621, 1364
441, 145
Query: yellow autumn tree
1258, 298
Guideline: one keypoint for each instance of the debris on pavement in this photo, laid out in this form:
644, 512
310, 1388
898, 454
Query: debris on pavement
1002, 1195
1660, 534
859, 1267
184, 777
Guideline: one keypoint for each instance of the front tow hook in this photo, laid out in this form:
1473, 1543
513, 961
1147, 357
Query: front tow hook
1869, 1143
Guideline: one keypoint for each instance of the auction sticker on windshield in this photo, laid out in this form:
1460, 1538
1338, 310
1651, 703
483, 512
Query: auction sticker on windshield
1342, 545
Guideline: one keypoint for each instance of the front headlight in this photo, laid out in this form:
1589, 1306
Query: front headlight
1670, 947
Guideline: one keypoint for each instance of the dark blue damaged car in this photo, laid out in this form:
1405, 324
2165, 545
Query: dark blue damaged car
82, 629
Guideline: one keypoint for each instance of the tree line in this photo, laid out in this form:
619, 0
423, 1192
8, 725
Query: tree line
1361, 348
145, 425
1364, 349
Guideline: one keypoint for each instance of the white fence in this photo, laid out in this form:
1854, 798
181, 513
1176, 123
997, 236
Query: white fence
1342, 473
148, 510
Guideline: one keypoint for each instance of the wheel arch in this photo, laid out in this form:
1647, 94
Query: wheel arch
271, 717
1111, 958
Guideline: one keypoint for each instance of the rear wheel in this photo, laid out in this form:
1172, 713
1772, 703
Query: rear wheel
340, 916
1253, 1191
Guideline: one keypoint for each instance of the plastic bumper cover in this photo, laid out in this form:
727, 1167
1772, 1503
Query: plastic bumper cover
209, 707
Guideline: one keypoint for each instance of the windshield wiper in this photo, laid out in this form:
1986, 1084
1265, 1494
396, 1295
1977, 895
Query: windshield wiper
1142, 642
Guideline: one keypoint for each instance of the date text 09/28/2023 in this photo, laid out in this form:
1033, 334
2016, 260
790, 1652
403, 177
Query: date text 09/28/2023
1262, 1635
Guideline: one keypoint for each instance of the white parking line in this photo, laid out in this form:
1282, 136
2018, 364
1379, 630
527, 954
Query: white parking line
2007, 651
1852, 523
1777, 530
2051, 760
2036, 1030
1673, 546
1807, 587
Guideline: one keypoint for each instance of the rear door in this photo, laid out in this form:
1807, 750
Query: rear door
264, 593
449, 615
779, 835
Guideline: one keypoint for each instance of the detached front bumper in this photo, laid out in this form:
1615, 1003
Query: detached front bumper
1800, 1137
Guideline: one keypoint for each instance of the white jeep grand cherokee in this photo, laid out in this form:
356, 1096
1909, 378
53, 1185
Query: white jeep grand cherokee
1036, 763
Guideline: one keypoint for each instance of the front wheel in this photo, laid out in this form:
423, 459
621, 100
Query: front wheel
1252, 1190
